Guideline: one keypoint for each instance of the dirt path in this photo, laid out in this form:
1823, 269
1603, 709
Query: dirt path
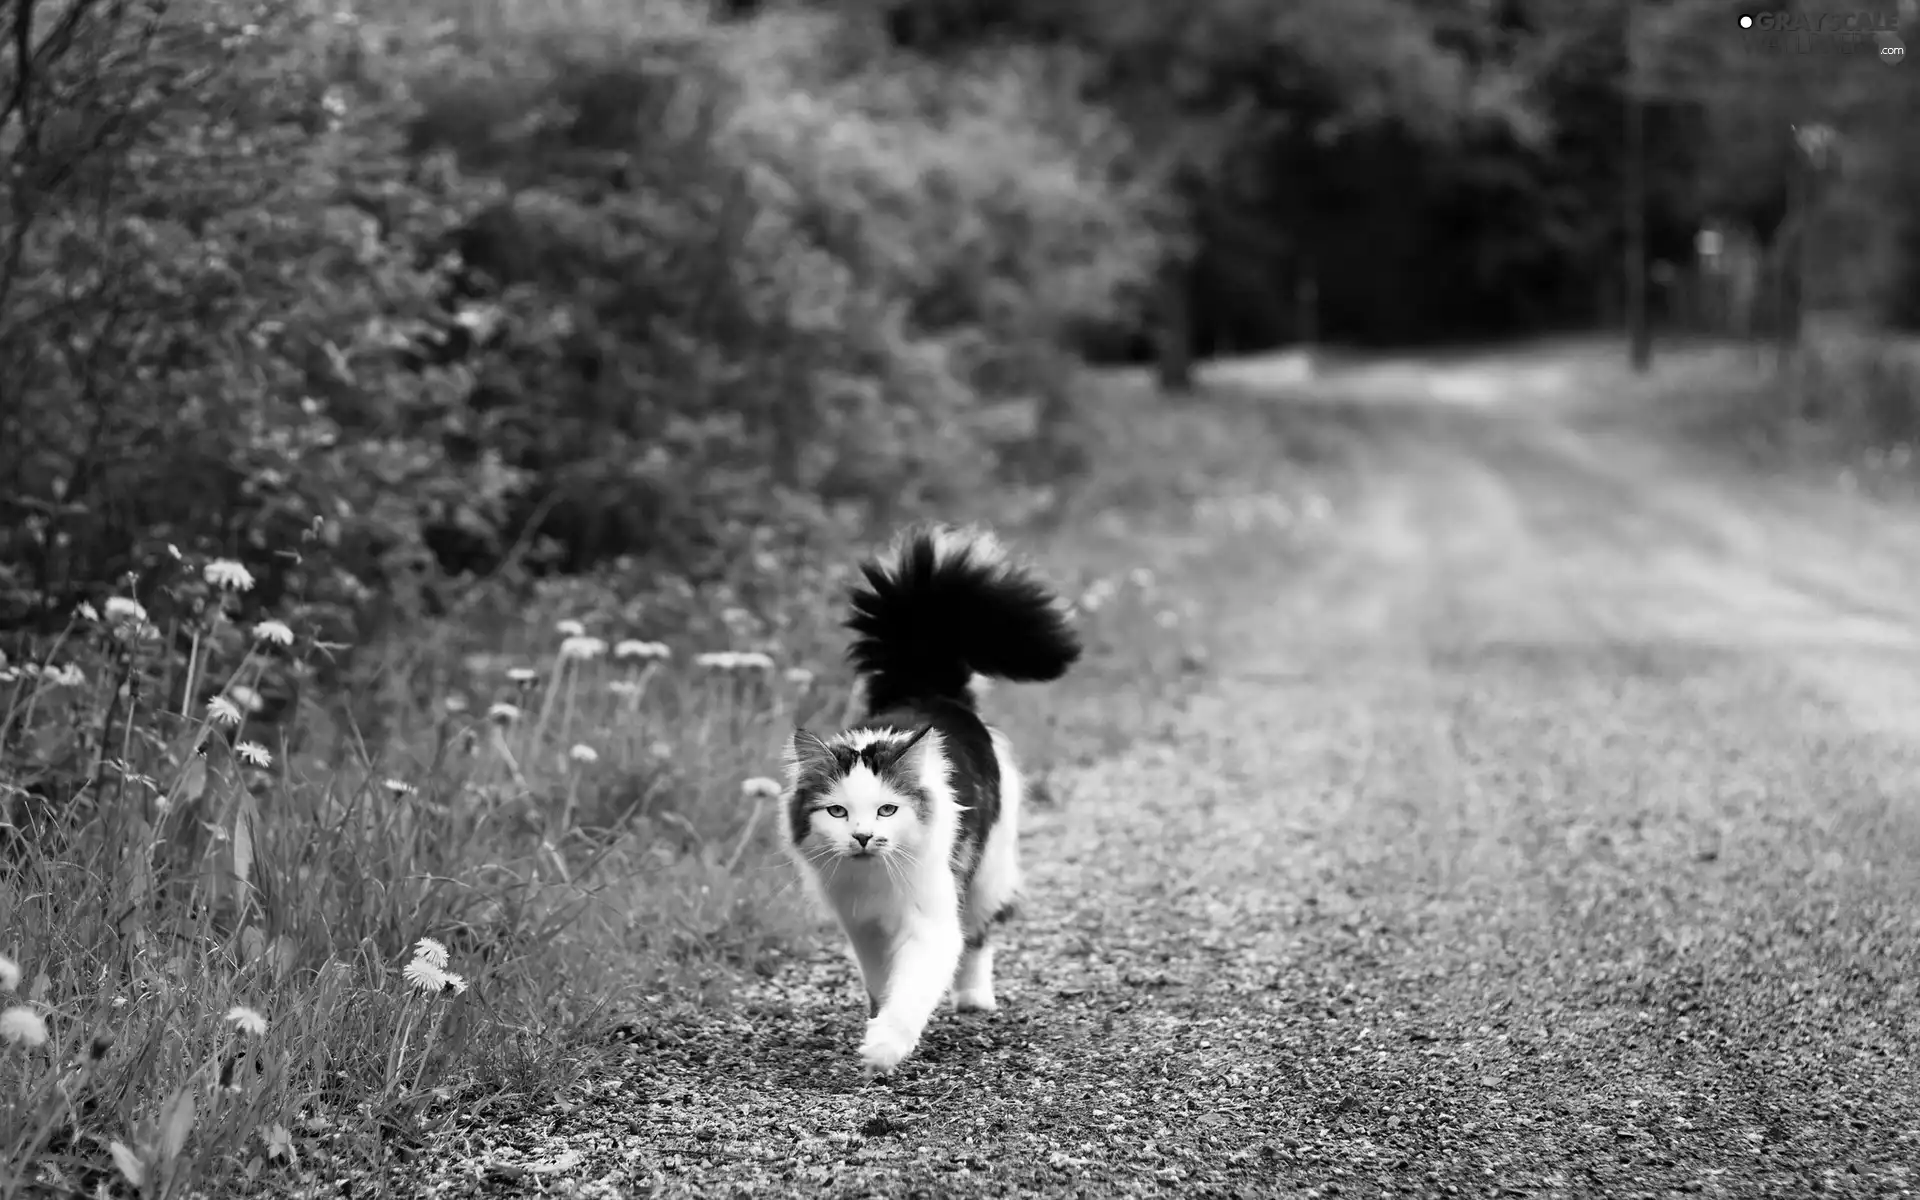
1548, 823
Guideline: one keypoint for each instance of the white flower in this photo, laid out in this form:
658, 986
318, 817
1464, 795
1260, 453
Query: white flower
760, 788
23, 1026
87, 612
753, 660
247, 1020
799, 677
504, 713
524, 676
246, 697
582, 647
126, 611
570, 628
623, 687
455, 983
719, 660
253, 754
455, 703
431, 950
223, 711
635, 648
276, 632
399, 787
65, 675
9, 974
425, 976
225, 573
660, 749
583, 753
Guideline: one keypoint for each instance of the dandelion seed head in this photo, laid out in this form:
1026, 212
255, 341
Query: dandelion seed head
276, 632
247, 1020
582, 647
9, 974
125, 611
570, 628
503, 713
431, 950
760, 788
229, 575
223, 711
22, 1026
253, 754
583, 753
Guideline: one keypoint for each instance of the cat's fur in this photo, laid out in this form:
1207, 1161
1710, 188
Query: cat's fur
907, 822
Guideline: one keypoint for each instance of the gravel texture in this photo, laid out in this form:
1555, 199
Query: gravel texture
1540, 820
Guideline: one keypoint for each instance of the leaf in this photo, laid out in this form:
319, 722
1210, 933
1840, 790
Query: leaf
128, 1162
243, 817
176, 1125
193, 780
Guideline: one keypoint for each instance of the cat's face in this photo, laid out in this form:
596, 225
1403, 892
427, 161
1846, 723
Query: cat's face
864, 797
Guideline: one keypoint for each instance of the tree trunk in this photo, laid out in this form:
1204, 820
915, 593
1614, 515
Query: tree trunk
1173, 323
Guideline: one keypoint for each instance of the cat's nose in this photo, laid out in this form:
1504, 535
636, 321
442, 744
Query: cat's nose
863, 839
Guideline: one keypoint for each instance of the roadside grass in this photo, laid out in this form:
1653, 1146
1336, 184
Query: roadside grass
244, 940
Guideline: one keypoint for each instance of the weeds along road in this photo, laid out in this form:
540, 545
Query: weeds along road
1543, 821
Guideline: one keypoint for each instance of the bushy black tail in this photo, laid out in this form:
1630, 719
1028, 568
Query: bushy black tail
945, 604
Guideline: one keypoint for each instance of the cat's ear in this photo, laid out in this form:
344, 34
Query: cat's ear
807, 754
911, 757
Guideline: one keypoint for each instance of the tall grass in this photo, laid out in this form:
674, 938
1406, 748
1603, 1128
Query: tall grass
215, 904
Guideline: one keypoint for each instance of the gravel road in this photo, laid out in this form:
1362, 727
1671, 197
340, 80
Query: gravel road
1542, 821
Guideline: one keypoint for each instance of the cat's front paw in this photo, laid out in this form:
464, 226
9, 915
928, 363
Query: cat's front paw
975, 1000
884, 1048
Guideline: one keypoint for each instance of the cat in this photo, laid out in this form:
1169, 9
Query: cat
907, 823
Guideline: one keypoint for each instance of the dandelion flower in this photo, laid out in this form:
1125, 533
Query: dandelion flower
570, 629
760, 788
504, 713
453, 983
9, 974
583, 753
431, 950
86, 611
635, 648
276, 632
253, 754
247, 1020
718, 660
660, 749
246, 697
753, 660
582, 647
65, 675
524, 676
126, 611
230, 575
23, 1027
399, 787
425, 976
623, 687
223, 711
455, 703
799, 677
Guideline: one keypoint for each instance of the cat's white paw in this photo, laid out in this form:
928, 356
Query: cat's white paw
975, 1000
883, 1049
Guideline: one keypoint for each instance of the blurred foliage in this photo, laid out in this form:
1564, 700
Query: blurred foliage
372, 299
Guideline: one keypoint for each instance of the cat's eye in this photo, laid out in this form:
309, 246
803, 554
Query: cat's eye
837, 812
887, 810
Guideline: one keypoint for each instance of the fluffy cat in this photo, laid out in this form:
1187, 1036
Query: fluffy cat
907, 822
